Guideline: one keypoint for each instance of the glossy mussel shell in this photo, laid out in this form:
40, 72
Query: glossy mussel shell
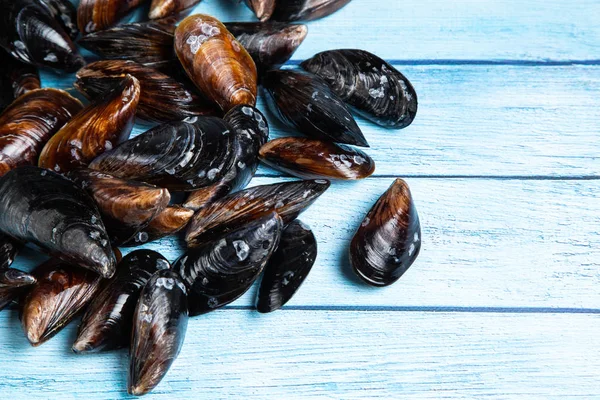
19, 77
183, 155
231, 212
170, 221
100, 126
374, 88
159, 327
305, 10
9, 248
107, 322
51, 212
216, 62
312, 158
65, 13
389, 239
263, 9
96, 15
12, 284
29, 122
166, 8
288, 267
220, 271
304, 101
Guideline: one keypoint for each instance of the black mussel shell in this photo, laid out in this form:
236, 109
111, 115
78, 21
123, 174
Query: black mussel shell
107, 322
51, 212
126, 206
288, 267
182, 156
220, 271
20, 77
170, 221
12, 284
305, 10
288, 199
374, 88
167, 8
159, 326
263, 9
304, 101
30, 33
9, 248
65, 13
60, 293
251, 131
270, 44
389, 238
96, 15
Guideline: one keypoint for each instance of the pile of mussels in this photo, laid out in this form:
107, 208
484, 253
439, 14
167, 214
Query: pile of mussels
75, 186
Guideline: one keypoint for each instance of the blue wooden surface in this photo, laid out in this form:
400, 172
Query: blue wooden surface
503, 162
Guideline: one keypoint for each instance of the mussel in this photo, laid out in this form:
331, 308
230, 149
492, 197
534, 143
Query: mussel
159, 326
61, 291
263, 9
227, 214
162, 98
29, 122
251, 131
183, 155
374, 88
51, 212
312, 158
288, 267
170, 221
220, 271
216, 62
270, 44
165, 8
65, 13
100, 126
126, 206
389, 239
21, 77
96, 15
31, 34
12, 284
305, 10
107, 322
304, 101
9, 248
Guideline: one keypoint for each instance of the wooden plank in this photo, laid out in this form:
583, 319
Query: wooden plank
486, 243
349, 355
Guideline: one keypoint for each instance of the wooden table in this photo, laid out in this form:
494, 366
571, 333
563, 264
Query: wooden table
504, 164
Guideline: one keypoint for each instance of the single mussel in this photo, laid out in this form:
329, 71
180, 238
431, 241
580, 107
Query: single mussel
107, 322
96, 15
21, 77
51, 212
126, 206
162, 98
170, 221
9, 248
288, 199
251, 131
374, 88
312, 158
215, 61
288, 267
31, 34
100, 126
220, 271
306, 10
389, 239
12, 285
65, 13
61, 292
183, 155
166, 8
270, 44
159, 326
29, 122
263, 9
304, 101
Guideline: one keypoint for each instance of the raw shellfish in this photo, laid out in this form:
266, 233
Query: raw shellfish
166, 8
306, 10
65, 13
96, 15
12, 284
22, 77
170, 221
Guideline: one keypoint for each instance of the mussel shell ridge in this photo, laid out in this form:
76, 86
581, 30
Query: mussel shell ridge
306, 10
12, 284
170, 221
96, 15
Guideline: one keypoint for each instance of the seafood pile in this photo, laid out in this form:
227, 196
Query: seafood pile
75, 186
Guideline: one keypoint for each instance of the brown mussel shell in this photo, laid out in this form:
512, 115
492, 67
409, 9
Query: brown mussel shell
126, 206
162, 98
306, 10
65, 13
96, 15
288, 199
12, 284
48, 210
374, 88
31, 34
159, 327
304, 101
270, 44
389, 238
29, 122
180, 156
263, 9
165, 8
9, 248
107, 322
60, 293
287, 268
170, 221
216, 62
251, 131
21, 77
220, 271
312, 158
100, 126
